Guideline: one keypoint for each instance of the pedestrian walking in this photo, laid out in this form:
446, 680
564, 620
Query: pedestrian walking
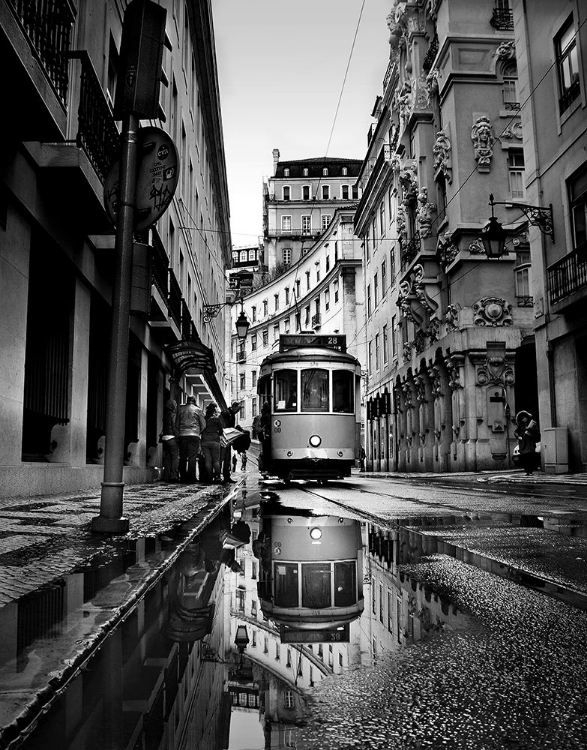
528, 436
210, 446
228, 418
362, 456
169, 435
234, 461
243, 461
190, 424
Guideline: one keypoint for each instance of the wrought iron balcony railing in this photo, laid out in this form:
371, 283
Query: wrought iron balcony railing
47, 25
568, 275
502, 19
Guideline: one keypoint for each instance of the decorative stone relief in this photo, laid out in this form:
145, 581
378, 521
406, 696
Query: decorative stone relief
492, 311
408, 179
405, 103
424, 214
483, 140
514, 130
441, 151
420, 385
401, 224
495, 371
433, 331
408, 395
454, 373
419, 289
407, 350
432, 84
506, 50
419, 341
476, 247
446, 249
404, 303
436, 381
451, 318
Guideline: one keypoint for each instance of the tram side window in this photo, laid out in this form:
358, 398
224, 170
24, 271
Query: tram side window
343, 391
315, 390
345, 583
316, 585
286, 390
286, 584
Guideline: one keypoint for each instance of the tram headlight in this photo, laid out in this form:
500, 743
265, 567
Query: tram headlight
315, 441
315, 532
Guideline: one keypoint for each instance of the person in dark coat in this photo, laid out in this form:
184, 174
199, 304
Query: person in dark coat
170, 443
528, 436
210, 444
190, 423
228, 418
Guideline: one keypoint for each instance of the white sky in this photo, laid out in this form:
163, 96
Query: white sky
281, 71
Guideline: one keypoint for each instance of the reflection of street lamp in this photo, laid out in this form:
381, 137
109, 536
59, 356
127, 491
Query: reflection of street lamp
241, 641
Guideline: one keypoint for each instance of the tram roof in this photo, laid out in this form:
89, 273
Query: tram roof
310, 353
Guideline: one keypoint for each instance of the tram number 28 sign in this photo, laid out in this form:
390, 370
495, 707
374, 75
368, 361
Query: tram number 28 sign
334, 635
157, 177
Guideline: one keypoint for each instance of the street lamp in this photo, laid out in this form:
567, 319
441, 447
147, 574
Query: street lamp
494, 236
242, 325
241, 640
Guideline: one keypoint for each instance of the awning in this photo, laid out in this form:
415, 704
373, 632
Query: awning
191, 354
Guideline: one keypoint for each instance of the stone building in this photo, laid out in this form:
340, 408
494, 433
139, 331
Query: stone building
551, 51
57, 246
322, 291
450, 344
299, 202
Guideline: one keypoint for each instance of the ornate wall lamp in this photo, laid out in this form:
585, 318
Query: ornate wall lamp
242, 322
494, 236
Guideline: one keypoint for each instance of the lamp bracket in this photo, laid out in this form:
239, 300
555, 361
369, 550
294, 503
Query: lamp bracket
538, 216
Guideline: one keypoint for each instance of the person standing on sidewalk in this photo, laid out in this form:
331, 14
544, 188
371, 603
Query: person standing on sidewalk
170, 443
211, 436
528, 436
228, 418
190, 424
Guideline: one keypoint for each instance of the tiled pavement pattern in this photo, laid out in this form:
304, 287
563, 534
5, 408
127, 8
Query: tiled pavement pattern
44, 538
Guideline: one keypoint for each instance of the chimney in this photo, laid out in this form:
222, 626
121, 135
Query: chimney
275, 160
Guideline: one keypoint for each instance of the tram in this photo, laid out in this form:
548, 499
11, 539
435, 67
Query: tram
311, 576
310, 418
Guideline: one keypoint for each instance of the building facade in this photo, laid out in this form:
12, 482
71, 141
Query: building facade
57, 246
299, 202
450, 344
551, 49
322, 292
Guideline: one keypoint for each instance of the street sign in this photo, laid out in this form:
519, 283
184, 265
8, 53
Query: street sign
332, 635
157, 177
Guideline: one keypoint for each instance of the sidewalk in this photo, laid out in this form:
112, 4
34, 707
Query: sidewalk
507, 475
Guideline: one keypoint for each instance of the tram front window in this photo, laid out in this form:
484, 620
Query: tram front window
316, 585
286, 390
345, 584
315, 390
286, 584
343, 392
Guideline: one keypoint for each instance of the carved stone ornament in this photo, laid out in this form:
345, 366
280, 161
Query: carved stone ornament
420, 384
436, 381
408, 393
451, 318
492, 311
405, 303
405, 103
476, 247
419, 341
407, 350
454, 373
441, 151
495, 371
433, 331
483, 140
408, 179
424, 214
506, 50
514, 130
419, 289
401, 224
447, 250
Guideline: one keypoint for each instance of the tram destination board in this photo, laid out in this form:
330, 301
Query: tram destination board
334, 635
306, 340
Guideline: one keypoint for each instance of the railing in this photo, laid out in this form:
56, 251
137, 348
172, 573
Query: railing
568, 275
502, 19
159, 265
431, 54
97, 132
294, 233
47, 24
174, 299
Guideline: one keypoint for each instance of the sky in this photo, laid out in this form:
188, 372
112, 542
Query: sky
281, 69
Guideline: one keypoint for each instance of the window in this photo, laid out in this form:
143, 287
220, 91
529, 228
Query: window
327, 263
306, 193
385, 344
297, 287
286, 255
336, 291
286, 324
265, 337
305, 172
286, 584
567, 64
509, 92
317, 272
252, 255
286, 223
382, 218
316, 592
277, 650
327, 299
578, 201
242, 384
325, 221
344, 192
275, 332
307, 316
286, 192
254, 313
276, 301
376, 351
392, 266
522, 283
307, 280
325, 172
286, 172
343, 393
314, 390
254, 413
325, 192
288, 696
383, 279
369, 299
516, 172
265, 308
306, 224
345, 171
286, 293
393, 341
285, 390
253, 342
254, 378
355, 192
370, 356
375, 290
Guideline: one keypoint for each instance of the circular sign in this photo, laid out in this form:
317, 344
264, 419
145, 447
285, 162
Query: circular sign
157, 177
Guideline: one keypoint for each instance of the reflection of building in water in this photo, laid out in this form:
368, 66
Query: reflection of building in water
401, 609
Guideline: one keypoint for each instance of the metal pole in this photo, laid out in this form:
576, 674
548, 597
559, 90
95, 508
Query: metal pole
111, 520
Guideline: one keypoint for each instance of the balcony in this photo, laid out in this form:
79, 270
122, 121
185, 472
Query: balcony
294, 234
502, 19
567, 278
241, 356
316, 320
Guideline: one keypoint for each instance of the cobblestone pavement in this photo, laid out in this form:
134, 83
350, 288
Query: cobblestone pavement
42, 538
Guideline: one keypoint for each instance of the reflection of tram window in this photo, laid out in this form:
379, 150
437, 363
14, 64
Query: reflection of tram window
345, 584
316, 585
286, 584
343, 391
285, 389
315, 390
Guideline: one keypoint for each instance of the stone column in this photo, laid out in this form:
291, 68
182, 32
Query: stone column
454, 365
